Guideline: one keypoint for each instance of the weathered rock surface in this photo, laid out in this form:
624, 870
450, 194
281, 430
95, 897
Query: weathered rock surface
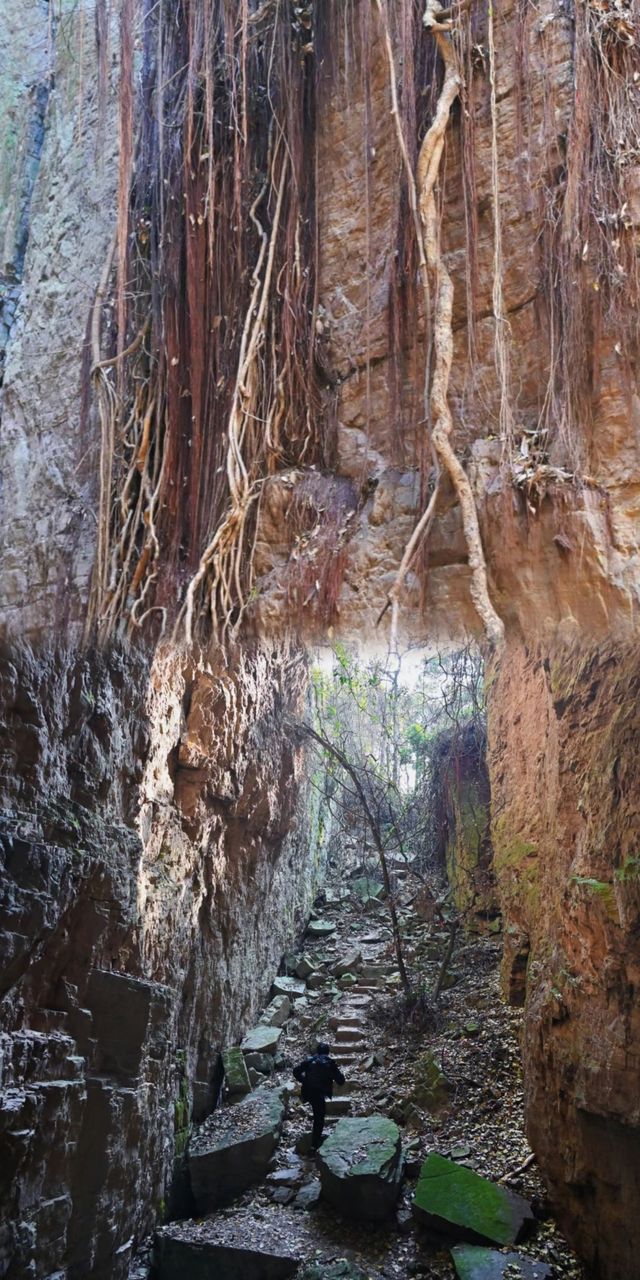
236, 1075
277, 1012
131, 949
261, 1039
178, 1255
456, 1201
474, 1263
289, 987
231, 1150
564, 737
360, 1166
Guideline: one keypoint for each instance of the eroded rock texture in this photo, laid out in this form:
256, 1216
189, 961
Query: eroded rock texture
564, 740
147, 896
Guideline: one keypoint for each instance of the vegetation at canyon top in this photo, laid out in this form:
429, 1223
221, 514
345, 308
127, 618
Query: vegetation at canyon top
208, 357
389, 735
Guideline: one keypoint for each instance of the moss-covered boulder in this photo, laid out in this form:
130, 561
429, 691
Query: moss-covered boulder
456, 1201
473, 1262
361, 1167
236, 1075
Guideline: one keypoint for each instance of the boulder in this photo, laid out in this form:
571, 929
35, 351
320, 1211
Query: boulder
348, 964
456, 1201
366, 887
360, 1166
286, 1177
292, 988
320, 928
235, 1251
475, 1263
316, 980
262, 1062
277, 1012
232, 1149
308, 1196
236, 1075
262, 1039
303, 968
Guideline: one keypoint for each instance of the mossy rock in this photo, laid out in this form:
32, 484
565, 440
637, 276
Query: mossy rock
454, 1200
236, 1075
431, 1090
600, 890
361, 1167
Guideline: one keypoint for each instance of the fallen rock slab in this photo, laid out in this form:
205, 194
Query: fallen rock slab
360, 1166
236, 1075
261, 1062
245, 1243
277, 1012
232, 1149
261, 1039
320, 929
201, 1253
292, 988
348, 964
475, 1263
454, 1200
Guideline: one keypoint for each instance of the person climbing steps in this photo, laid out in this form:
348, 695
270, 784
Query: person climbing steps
317, 1075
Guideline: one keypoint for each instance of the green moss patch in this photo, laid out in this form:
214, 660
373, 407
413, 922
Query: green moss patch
455, 1200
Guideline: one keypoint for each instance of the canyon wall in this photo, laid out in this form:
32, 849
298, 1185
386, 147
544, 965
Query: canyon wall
143, 890
157, 860
564, 738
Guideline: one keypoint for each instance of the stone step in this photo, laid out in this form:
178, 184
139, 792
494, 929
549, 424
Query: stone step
347, 1033
339, 1106
351, 1046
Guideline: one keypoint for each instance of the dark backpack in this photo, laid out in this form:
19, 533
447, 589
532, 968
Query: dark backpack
319, 1073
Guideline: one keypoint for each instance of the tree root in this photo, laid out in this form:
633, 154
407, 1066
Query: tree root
422, 196
222, 560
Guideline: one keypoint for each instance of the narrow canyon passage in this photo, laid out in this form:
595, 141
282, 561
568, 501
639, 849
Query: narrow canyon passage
320, 554
449, 1079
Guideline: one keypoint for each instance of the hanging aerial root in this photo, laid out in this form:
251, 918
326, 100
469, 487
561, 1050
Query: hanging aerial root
221, 565
423, 196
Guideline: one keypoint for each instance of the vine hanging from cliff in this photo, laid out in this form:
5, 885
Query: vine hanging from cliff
424, 209
208, 384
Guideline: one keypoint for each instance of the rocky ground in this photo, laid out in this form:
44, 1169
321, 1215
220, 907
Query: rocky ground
450, 1080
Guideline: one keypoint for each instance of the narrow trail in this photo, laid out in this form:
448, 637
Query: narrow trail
454, 1089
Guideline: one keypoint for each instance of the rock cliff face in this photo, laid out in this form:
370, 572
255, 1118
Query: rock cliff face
564, 735
148, 892
161, 798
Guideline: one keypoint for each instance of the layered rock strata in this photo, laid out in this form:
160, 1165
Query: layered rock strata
152, 875
564, 736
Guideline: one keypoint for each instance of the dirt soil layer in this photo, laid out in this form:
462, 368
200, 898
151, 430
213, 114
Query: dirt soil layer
453, 1084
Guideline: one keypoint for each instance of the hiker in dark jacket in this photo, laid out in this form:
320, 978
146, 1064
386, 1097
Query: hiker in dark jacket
317, 1076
